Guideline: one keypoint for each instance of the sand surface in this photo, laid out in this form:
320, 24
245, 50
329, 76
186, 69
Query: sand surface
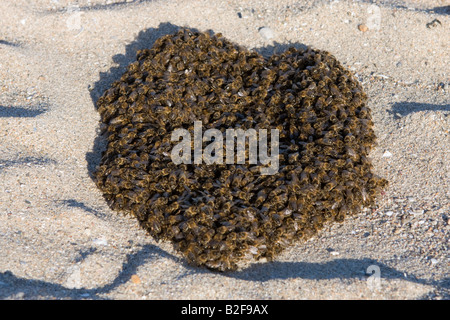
60, 240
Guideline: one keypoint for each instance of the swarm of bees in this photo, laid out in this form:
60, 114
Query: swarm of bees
219, 214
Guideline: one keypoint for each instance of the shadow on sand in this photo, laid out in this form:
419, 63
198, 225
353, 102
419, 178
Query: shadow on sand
22, 112
402, 109
26, 161
442, 10
9, 43
72, 203
99, 7
14, 287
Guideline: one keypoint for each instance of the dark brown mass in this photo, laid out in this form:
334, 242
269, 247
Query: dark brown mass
216, 215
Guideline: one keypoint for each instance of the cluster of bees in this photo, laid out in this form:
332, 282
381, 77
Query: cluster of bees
219, 214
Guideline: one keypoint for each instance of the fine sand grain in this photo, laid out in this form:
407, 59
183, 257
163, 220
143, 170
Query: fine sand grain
60, 240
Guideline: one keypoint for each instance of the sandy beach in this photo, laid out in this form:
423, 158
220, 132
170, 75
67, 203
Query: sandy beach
60, 240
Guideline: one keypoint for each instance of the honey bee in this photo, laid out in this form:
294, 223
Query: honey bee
154, 225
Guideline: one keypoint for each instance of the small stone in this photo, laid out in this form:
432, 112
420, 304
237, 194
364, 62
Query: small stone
433, 261
443, 86
135, 279
389, 213
387, 154
19, 295
266, 33
101, 242
333, 252
363, 28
